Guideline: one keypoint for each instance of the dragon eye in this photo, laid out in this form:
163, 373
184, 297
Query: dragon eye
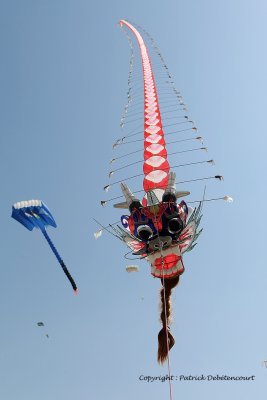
144, 232
175, 225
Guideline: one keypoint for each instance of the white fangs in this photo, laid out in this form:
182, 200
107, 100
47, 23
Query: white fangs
165, 252
157, 272
165, 272
168, 272
28, 203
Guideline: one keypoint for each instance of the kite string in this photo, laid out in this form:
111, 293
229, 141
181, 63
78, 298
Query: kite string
165, 312
163, 282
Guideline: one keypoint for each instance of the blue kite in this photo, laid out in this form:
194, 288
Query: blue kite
35, 214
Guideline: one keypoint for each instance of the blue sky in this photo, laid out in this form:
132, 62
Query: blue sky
63, 73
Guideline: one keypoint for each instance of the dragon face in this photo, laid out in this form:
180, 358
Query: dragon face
158, 228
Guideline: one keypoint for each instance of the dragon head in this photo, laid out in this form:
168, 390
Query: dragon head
161, 228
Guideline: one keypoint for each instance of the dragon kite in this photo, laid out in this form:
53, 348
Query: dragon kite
161, 227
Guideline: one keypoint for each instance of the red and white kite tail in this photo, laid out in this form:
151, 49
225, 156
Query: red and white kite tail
156, 166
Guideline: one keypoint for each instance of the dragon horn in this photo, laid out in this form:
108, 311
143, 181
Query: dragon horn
170, 191
129, 196
171, 188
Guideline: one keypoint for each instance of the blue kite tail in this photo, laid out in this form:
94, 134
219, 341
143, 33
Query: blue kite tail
61, 262
70, 278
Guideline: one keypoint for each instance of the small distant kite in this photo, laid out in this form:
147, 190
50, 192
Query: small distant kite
132, 268
42, 324
35, 214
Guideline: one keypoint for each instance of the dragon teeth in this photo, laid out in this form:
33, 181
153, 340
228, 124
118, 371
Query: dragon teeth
157, 272
174, 270
29, 203
168, 272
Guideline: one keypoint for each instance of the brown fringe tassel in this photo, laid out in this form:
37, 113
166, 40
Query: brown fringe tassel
164, 333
